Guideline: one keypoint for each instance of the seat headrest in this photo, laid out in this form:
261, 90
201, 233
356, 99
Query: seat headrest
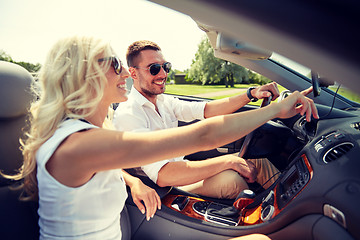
15, 90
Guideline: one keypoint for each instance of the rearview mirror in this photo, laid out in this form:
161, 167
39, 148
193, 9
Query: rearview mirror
244, 50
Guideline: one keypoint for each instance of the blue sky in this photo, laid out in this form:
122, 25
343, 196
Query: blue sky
28, 28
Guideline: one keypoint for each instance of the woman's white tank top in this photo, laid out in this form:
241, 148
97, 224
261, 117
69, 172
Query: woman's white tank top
91, 211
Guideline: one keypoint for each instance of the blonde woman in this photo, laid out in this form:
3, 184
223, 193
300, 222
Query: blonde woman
73, 165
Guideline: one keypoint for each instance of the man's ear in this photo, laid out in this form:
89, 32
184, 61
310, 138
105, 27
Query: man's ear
132, 72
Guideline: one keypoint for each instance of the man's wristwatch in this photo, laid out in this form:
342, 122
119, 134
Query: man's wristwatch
251, 97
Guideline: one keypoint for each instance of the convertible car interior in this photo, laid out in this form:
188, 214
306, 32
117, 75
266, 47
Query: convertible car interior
315, 196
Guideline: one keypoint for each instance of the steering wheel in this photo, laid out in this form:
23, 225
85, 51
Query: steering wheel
266, 101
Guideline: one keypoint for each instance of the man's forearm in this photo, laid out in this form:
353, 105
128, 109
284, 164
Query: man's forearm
187, 172
226, 105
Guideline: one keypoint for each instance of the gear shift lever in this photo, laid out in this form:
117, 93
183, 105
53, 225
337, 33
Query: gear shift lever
244, 198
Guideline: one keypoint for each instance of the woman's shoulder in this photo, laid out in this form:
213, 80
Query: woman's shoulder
64, 130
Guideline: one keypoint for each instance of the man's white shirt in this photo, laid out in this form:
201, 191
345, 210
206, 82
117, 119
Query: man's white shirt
138, 114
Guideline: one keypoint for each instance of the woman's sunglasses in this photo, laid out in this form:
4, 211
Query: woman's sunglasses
115, 63
156, 67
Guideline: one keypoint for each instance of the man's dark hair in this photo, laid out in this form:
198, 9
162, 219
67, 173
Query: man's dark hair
134, 50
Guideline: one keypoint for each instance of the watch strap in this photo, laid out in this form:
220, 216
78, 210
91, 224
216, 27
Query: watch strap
251, 97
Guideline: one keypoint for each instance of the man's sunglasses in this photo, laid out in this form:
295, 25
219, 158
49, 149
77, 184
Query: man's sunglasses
156, 67
115, 63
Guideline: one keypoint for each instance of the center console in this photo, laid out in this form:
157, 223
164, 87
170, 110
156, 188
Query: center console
217, 213
260, 209
293, 181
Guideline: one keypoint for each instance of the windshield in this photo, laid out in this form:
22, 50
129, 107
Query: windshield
183, 84
306, 72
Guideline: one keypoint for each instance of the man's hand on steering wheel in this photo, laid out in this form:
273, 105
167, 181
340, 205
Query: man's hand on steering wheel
265, 91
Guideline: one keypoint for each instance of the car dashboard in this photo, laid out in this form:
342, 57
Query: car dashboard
322, 179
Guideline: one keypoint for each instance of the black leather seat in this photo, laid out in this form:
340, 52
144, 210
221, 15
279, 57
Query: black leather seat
18, 218
15, 98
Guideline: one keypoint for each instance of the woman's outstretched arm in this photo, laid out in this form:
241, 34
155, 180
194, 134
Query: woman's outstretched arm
84, 153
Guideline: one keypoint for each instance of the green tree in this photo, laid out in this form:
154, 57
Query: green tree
171, 75
205, 66
5, 57
32, 68
207, 69
232, 73
257, 78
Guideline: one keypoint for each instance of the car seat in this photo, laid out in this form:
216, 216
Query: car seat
15, 98
19, 219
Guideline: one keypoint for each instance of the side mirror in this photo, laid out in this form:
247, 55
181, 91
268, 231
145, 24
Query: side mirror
244, 50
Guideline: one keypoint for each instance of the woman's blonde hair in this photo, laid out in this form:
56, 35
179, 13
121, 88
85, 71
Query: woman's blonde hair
72, 83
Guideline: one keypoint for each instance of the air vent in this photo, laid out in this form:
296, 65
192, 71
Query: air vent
337, 151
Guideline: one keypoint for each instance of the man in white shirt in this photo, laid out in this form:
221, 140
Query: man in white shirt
147, 109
